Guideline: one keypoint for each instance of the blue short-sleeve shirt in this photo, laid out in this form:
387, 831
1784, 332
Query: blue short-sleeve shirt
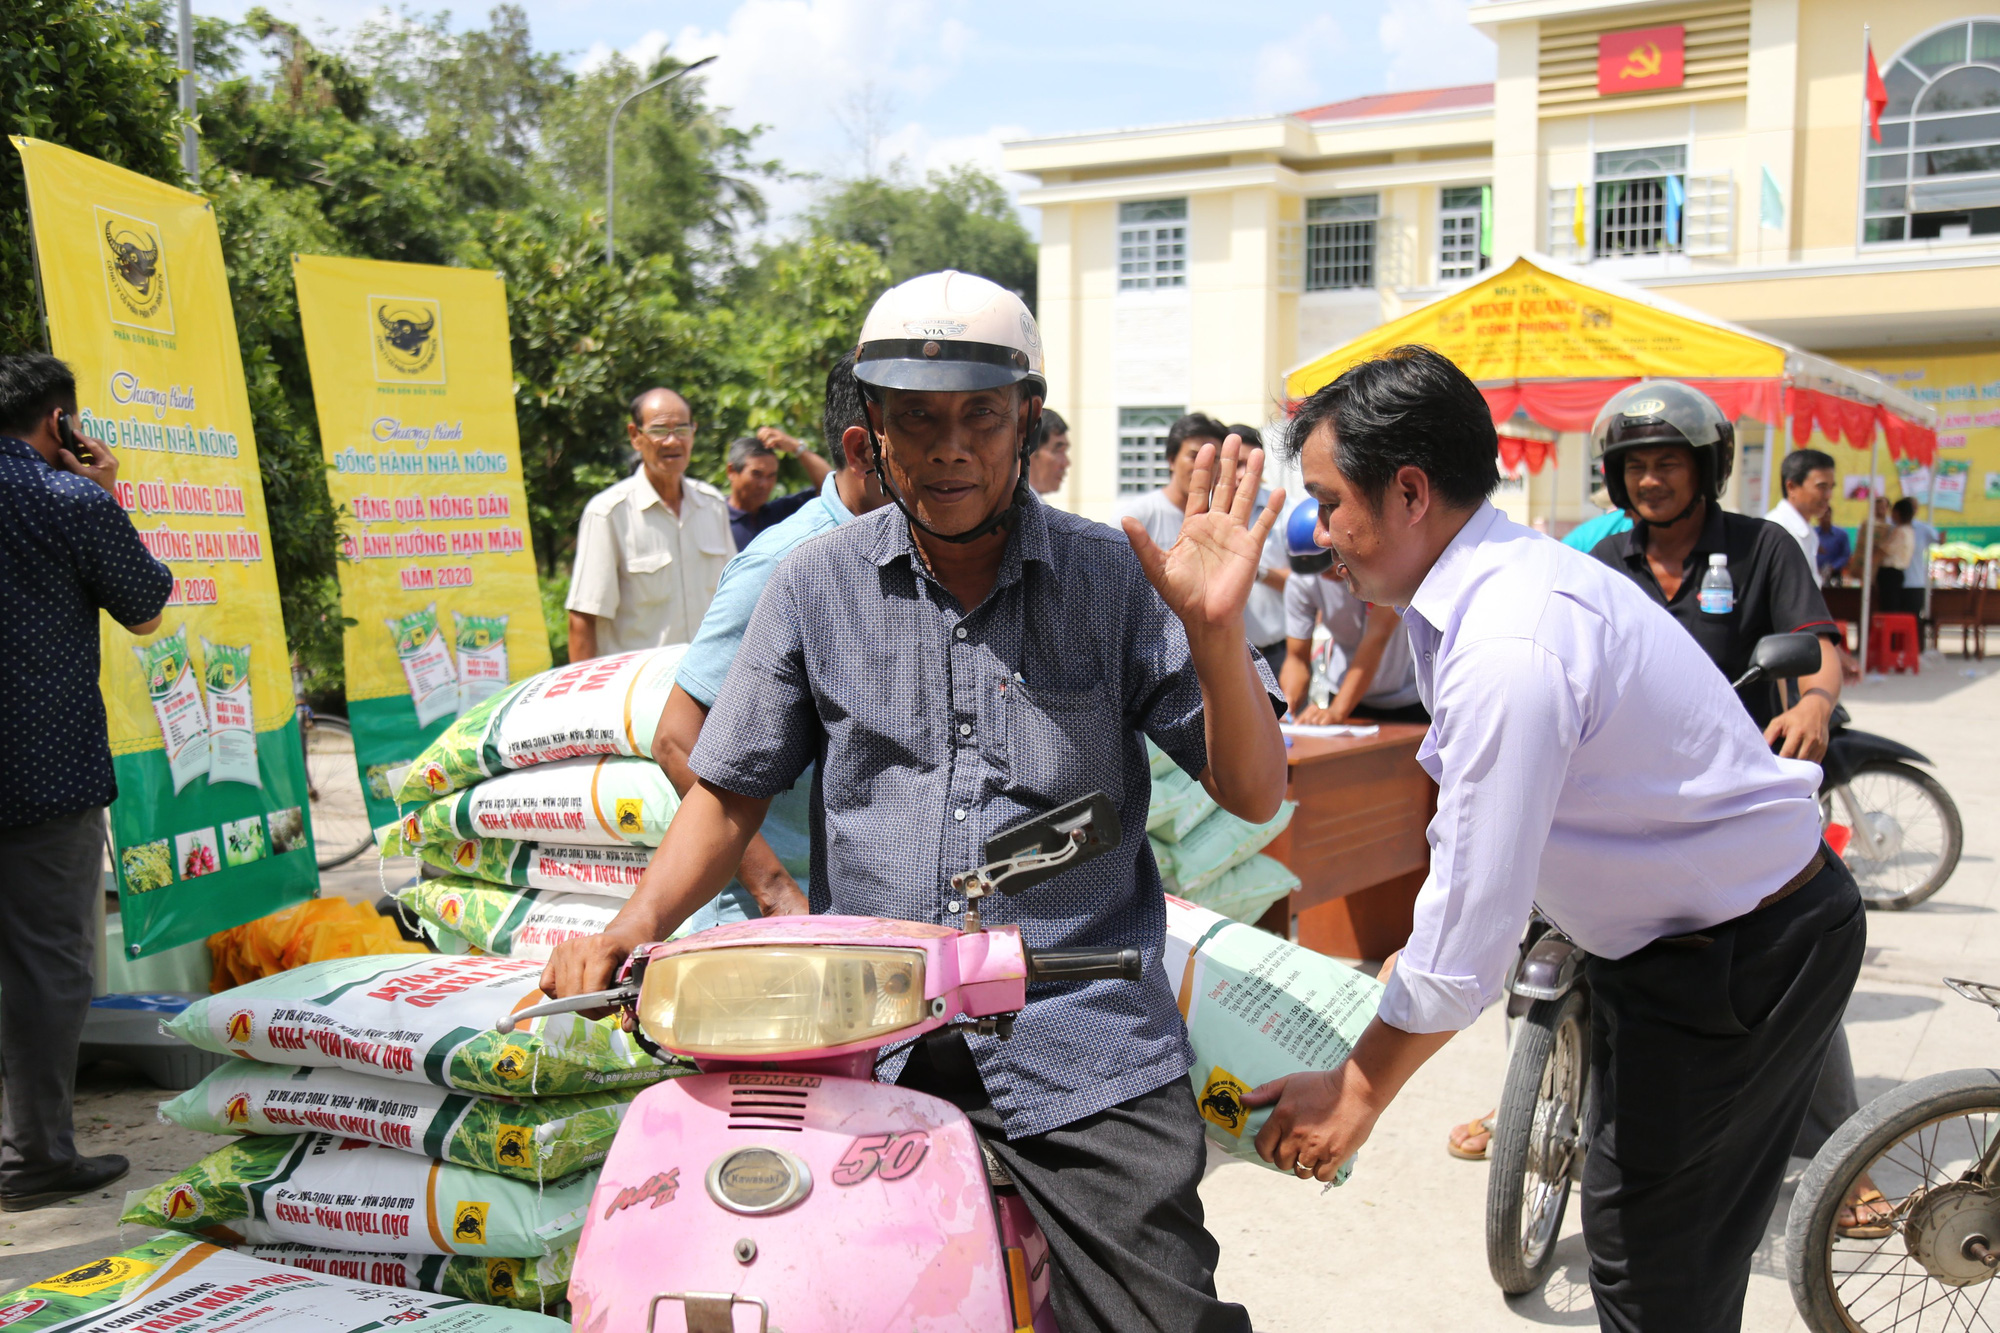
66, 551
935, 727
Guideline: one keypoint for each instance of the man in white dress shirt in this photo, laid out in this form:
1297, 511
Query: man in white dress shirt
1589, 759
1807, 475
649, 550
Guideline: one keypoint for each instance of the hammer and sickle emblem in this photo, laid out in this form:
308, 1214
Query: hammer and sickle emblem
135, 262
1641, 62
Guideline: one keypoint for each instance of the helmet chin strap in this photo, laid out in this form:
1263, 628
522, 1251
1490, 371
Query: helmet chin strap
1003, 519
1699, 497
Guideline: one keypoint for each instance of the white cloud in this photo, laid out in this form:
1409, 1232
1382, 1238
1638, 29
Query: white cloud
1294, 72
1430, 44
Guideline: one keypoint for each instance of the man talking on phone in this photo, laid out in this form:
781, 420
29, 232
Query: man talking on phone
67, 551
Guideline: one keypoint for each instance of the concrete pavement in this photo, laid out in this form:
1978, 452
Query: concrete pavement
1403, 1245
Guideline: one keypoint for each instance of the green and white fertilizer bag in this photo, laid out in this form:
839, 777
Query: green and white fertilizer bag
514, 923
523, 1284
482, 658
420, 1019
1159, 760
177, 705
232, 723
1246, 891
173, 1282
609, 872
537, 1138
1214, 847
607, 802
1179, 803
420, 647
1257, 1007
350, 1194
605, 705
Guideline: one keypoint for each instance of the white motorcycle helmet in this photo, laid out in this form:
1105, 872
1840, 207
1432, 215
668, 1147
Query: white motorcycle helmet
952, 332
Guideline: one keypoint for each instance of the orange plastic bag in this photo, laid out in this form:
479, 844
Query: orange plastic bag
309, 932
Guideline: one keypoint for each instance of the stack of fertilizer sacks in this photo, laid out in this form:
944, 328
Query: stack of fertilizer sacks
1208, 856
535, 813
390, 1135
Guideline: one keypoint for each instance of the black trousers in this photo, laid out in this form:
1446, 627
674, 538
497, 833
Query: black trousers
51, 875
1706, 1051
1115, 1193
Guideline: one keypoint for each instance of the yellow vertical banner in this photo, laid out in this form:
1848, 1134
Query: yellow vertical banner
211, 821
414, 383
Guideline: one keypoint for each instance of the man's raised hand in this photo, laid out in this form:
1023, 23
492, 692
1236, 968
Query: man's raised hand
1206, 577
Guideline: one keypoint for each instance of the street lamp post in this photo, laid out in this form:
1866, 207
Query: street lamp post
610, 158
190, 156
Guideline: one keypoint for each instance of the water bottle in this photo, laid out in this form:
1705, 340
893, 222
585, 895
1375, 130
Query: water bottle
1718, 593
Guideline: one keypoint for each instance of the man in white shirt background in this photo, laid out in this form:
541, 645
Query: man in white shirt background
1807, 475
1373, 674
1049, 464
650, 549
1591, 760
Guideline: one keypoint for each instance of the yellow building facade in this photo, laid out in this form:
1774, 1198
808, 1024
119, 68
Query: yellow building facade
1719, 153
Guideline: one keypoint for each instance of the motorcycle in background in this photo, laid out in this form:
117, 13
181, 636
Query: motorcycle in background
784, 1178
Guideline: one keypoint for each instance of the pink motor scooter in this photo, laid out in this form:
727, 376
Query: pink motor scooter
782, 1188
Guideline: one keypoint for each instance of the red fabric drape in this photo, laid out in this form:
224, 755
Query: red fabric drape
1539, 452
1512, 450
1838, 418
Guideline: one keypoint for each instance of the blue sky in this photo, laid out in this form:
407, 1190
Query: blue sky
930, 82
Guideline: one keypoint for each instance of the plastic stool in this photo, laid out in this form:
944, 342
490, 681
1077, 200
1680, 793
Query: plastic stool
1893, 643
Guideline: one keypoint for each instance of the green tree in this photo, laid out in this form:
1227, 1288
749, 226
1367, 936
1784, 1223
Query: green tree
89, 75
959, 219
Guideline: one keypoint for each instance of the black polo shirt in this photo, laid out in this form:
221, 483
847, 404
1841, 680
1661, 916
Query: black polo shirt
1775, 592
745, 524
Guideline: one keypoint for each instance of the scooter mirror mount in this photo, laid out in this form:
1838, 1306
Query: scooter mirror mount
1781, 657
1039, 848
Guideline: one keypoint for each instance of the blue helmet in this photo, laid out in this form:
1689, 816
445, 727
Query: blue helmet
1308, 556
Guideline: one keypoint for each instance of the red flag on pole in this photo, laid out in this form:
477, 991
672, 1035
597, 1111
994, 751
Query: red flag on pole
1876, 95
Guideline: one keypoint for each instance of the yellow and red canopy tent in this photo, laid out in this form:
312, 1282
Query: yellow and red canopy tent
1542, 339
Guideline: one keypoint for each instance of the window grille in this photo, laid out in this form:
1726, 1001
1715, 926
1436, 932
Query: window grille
1561, 222
1142, 447
1936, 173
1708, 222
1291, 256
1152, 245
1340, 242
1458, 233
1632, 201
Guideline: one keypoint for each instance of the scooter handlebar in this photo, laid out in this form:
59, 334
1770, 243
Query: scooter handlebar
1084, 964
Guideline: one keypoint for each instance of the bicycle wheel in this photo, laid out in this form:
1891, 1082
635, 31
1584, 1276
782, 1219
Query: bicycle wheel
1905, 832
1918, 1144
1537, 1137
339, 814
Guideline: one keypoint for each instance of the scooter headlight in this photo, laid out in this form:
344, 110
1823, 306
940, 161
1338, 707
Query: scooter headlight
776, 1001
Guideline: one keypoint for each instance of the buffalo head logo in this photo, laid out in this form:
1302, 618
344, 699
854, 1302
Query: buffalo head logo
405, 334
1222, 1105
502, 1277
135, 256
512, 1146
79, 1276
470, 1223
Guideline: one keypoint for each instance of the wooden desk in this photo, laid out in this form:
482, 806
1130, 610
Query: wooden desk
1356, 842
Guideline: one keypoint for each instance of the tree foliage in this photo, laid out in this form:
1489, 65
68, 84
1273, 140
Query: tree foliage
415, 142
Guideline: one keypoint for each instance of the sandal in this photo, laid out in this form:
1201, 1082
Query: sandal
1879, 1222
1458, 1141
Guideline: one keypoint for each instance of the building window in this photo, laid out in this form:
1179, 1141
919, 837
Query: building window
1936, 173
1460, 215
1340, 242
1641, 195
1142, 447
1152, 245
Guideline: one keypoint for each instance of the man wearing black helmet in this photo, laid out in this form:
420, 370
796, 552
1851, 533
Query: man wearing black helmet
955, 664
1667, 451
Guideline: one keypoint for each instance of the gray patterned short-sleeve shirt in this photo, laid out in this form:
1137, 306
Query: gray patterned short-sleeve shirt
935, 728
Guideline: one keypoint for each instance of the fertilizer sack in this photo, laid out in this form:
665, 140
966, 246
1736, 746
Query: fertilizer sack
1257, 1007
189, 1286
350, 1194
605, 705
524, 1284
1179, 803
1246, 891
610, 872
177, 705
1214, 847
513, 923
541, 1138
232, 722
608, 802
482, 658
422, 1020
